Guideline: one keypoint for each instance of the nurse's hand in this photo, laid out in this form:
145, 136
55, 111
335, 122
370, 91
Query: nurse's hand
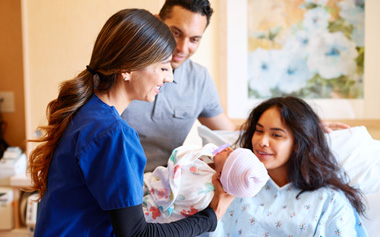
331, 126
221, 199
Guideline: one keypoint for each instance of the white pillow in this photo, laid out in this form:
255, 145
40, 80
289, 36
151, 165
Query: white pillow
217, 137
355, 151
372, 222
359, 155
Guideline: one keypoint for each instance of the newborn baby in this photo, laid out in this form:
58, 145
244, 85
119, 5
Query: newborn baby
185, 186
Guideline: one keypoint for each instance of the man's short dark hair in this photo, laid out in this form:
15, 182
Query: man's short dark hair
197, 6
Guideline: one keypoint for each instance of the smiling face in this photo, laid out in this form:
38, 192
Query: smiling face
187, 28
144, 84
273, 143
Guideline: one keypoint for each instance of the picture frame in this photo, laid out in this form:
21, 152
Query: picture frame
233, 86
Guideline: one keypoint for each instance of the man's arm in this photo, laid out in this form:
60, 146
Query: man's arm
219, 122
331, 126
223, 122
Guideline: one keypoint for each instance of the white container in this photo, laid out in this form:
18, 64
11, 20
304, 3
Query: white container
6, 208
12, 163
31, 212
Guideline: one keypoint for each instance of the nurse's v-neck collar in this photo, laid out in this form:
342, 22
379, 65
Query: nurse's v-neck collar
113, 109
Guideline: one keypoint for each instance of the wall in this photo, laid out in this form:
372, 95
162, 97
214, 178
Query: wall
372, 70
11, 69
372, 52
58, 39
370, 106
59, 35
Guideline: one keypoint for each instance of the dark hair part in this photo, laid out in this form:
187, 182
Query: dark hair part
311, 165
197, 6
130, 40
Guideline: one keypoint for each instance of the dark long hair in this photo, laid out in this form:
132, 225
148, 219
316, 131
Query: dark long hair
197, 6
130, 40
311, 165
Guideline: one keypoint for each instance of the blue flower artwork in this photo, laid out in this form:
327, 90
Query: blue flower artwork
307, 48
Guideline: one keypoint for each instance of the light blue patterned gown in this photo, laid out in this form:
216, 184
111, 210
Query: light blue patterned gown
276, 211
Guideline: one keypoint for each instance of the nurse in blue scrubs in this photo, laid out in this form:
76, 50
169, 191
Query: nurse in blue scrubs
88, 167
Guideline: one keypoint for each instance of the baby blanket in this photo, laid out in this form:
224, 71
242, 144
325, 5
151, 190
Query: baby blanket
183, 188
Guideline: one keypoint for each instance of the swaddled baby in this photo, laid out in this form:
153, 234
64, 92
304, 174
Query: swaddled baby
185, 187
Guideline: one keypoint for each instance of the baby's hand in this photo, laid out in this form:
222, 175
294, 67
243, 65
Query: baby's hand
221, 199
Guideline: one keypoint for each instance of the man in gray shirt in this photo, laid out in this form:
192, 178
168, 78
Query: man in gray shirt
164, 124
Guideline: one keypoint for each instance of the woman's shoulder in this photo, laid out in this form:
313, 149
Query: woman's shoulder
96, 113
330, 191
96, 121
332, 196
99, 132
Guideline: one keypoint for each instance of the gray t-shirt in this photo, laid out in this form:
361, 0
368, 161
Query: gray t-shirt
164, 124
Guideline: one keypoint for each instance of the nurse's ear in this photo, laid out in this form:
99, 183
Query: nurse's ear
126, 76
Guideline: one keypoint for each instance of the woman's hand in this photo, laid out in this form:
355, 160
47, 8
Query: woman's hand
331, 126
221, 199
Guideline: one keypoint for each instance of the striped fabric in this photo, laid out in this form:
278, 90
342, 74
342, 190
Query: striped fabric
243, 174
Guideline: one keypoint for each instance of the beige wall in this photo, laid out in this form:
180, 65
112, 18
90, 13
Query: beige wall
58, 39
11, 69
59, 35
372, 52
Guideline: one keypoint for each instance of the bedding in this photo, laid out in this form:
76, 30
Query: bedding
355, 150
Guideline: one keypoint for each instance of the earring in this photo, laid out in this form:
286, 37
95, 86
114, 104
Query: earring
126, 76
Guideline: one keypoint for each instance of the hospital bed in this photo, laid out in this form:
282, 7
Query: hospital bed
356, 151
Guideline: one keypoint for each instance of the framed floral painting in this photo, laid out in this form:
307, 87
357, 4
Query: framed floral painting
313, 49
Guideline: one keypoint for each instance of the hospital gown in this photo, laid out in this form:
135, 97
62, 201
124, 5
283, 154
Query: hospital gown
275, 211
183, 188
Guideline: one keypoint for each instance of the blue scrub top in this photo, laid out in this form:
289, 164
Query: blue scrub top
97, 166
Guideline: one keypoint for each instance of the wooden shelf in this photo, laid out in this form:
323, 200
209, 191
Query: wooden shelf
17, 232
17, 182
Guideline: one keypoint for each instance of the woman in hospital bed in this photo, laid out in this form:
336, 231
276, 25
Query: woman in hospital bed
307, 193
185, 186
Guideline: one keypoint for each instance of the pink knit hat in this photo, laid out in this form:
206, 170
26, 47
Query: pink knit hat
243, 175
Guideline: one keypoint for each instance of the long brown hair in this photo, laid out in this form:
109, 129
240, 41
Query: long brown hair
130, 40
312, 165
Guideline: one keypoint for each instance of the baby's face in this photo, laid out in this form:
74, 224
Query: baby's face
221, 157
